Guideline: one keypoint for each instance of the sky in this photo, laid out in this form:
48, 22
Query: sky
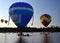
51, 7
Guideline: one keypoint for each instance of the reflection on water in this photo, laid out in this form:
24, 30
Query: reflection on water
35, 38
21, 40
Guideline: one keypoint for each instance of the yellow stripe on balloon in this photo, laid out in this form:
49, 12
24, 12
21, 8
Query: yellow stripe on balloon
46, 19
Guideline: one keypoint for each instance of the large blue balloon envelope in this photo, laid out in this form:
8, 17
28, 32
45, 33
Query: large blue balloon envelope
21, 13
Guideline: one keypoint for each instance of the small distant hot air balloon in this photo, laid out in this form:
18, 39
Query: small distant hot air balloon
2, 20
21, 13
45, 19
6, 21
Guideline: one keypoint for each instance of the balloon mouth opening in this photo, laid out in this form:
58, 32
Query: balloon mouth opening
23, 27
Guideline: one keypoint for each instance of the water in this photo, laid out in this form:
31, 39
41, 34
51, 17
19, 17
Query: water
35, 38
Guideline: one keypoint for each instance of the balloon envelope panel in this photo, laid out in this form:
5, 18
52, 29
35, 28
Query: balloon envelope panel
45, 19
21, 13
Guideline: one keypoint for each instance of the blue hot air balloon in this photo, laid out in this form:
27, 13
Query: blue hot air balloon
21, 13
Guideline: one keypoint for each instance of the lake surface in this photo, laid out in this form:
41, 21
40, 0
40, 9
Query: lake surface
37, 37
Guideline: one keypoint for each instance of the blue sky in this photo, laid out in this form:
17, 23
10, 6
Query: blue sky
51, 7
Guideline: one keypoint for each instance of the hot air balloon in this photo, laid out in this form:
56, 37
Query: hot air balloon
20, 13
45, 19
2, 20
6, 21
